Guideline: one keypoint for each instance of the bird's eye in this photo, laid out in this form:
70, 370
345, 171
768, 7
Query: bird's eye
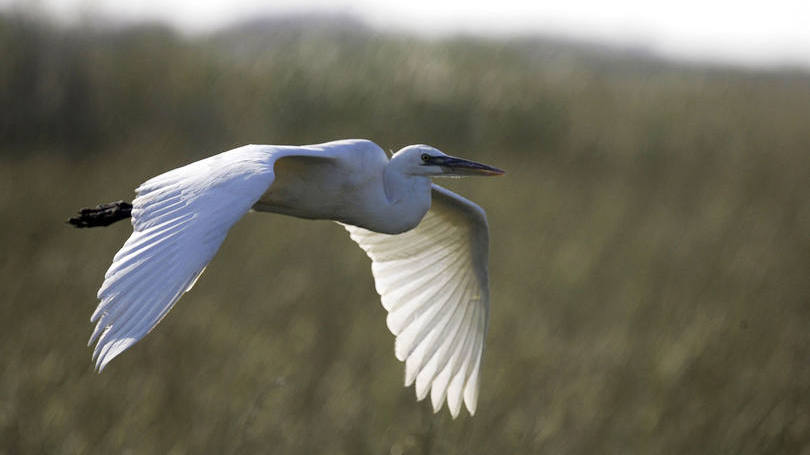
425, 157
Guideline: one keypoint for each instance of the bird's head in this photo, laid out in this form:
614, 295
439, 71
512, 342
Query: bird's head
424, 160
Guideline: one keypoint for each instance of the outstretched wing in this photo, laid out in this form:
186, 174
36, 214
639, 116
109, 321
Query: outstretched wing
179, 220
433, 282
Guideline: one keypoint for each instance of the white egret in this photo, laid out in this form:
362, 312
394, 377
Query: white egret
428, 246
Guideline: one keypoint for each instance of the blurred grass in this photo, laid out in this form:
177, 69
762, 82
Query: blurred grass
649, 263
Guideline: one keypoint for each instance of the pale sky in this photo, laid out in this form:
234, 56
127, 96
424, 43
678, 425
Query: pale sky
746, 32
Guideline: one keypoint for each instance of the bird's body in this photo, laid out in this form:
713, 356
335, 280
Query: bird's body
322, 182
429, 264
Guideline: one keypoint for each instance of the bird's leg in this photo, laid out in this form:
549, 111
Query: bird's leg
102, 215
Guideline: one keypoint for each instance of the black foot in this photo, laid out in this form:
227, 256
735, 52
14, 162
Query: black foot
102, 215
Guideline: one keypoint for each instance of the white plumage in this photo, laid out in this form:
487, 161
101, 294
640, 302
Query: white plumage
429, 261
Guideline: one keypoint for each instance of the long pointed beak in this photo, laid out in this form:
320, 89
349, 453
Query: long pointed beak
458, 166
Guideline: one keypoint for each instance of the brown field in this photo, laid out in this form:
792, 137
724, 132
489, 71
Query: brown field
649, 260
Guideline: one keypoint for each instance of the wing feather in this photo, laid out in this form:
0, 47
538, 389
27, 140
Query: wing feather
433, 282
179, 220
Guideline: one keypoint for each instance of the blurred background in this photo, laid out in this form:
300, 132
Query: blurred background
650, 243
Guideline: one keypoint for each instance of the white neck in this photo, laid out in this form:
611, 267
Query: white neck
408, 197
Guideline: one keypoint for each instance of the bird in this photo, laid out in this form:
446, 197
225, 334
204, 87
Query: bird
428, 246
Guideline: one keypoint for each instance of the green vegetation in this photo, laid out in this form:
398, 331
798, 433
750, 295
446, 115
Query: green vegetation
649, 264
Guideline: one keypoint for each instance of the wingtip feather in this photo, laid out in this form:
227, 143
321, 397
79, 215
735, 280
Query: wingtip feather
436, 398
454, 395
112, 350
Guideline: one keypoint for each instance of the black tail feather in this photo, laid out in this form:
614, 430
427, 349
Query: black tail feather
102, 215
